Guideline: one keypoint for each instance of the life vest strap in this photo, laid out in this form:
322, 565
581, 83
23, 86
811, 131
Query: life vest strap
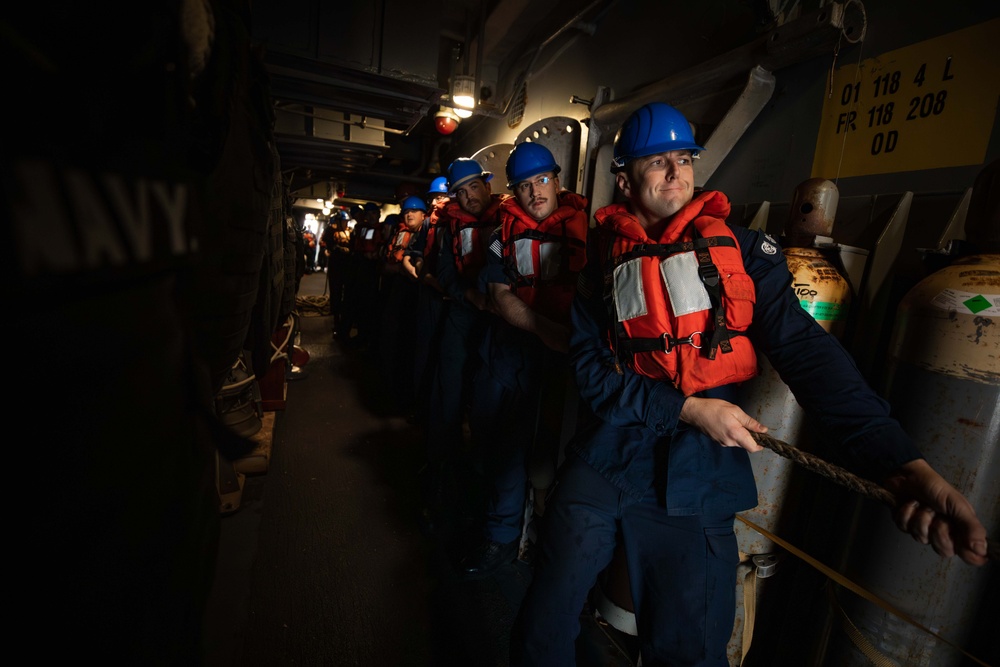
667, 343
709, 274
662, 343
538, 235
668, 249
516, 280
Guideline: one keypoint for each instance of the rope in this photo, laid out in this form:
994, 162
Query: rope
280, 350
816, 464
843, 477
312, 305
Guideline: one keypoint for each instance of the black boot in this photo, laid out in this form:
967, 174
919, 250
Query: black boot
486, 558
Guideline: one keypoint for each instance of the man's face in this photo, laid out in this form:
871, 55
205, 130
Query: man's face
658, 185
474, 196
437, 200
413, 218
538, 195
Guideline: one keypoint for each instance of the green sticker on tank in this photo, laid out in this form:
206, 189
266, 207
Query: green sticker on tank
986, 305
824, 311
977, 303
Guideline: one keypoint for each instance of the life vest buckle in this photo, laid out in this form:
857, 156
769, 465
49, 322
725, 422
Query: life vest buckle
670, 343
709, 274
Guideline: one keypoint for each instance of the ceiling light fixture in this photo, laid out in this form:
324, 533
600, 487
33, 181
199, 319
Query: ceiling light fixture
463, 91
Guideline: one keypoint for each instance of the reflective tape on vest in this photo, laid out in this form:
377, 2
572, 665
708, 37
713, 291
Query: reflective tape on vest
684, 286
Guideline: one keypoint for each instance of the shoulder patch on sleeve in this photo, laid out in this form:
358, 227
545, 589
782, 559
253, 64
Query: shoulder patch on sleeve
496, 247
583, 287
589, 281
767, 248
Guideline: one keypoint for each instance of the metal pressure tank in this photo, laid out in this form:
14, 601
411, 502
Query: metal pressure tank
944, 386
824, 293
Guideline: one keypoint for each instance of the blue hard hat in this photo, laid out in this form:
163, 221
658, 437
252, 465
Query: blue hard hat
411, 203
439, 186
651, 129
343, 215
463, 170
528, 159
373, 207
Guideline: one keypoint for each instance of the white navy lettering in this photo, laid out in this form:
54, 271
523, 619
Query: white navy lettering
73, 220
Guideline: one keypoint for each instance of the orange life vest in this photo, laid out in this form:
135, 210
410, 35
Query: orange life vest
679, 300
366, 239
470, 234
341, 241
542, 259
399, 243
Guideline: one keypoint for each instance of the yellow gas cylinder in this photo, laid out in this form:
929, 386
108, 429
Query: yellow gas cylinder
820, 288
824, 293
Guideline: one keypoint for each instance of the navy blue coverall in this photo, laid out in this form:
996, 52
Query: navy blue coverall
671, 492
516, 372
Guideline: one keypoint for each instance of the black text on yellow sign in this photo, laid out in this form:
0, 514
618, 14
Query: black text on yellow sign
925, 106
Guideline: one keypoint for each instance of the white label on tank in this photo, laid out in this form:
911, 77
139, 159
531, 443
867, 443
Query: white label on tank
987, 305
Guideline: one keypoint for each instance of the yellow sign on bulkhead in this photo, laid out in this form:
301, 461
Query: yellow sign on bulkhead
925, 106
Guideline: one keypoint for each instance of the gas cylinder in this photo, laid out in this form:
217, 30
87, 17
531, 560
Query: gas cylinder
825, 294
944, 385
812, 212
820, 288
